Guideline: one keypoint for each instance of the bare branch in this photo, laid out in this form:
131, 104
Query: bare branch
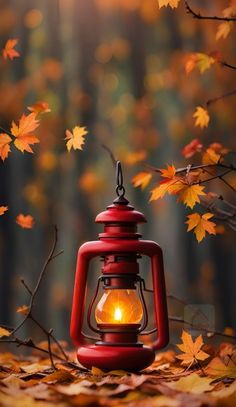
227, 65
26, 286
201, 17
33, 293
6, 131
50, 349
225, 95
40, 278
113, 159
208, 332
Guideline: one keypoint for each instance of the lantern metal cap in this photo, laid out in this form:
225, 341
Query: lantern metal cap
119, 213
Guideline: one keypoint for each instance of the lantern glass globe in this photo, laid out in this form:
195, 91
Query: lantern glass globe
119, 306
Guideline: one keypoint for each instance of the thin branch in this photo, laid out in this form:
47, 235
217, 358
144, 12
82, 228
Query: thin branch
33, 293
201, 17
209, 332
214, 177
196, 311
6, 131
113, 159
228, 184
227, 65
30, 344
49, 334
225, 95
195, 167
41, 276
221, 198
26, 286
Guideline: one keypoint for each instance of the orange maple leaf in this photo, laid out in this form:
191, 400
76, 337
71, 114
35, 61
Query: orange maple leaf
134, 157
91, 181
5, 141
192, 148
201, 225
202, 117
39, 107
168, 172
191, 350
170, 186
25, 221
187, 192
210, 156
171, 3
24, 310
200, 61
4, 332
9, 51
142, 179
3, 209
219, 148
24, 139
76, 138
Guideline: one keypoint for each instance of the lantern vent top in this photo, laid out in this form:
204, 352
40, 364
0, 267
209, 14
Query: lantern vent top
120, 211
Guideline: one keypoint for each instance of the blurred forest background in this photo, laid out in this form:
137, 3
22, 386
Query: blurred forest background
116, 67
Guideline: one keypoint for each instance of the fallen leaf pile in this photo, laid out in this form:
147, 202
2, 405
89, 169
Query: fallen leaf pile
191, 378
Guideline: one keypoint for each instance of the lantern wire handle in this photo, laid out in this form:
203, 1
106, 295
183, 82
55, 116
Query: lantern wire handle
120, 189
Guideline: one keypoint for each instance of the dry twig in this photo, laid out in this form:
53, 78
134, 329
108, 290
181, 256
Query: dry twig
29, 313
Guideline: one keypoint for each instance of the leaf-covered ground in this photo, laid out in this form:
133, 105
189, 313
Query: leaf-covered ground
31, 381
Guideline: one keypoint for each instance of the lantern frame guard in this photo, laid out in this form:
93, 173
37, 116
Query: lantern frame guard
119, 246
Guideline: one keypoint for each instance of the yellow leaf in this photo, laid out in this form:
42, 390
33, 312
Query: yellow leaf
230, 11
24, 310
76, 138
202, 117
5, 141
96, 371
224, 30
201, 225
3, 209
210, 157
189, 194
4, 332
24, 139
192, 383
191, 350
217, 368
204, 61
200, 61
142, 179
171, 3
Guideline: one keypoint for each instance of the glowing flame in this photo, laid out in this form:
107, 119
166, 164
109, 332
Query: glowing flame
118, 314
119, 306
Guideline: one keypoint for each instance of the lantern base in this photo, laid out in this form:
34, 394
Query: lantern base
109, 358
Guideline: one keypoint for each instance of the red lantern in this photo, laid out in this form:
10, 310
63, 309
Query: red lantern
120, 313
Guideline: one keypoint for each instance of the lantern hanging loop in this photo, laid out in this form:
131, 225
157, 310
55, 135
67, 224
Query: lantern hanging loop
120, 190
